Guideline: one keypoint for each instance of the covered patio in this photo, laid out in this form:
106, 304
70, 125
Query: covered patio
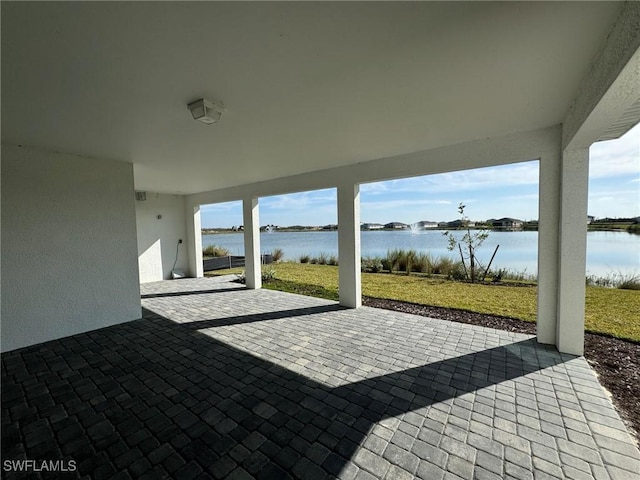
230, 382
104, 171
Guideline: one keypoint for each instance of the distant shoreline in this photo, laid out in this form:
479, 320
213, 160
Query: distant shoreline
624, 227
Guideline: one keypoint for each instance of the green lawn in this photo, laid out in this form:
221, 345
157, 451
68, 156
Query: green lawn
611, 311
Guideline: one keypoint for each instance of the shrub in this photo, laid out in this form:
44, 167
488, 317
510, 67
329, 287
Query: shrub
444, 266
371, 265
320, 259
412, 261
410, 257
457, 272
497, 276
615, 280
277, 254
393, 258
516, 275
305, 258
631, 283
215, 251
332, 260
422, 263
268, 274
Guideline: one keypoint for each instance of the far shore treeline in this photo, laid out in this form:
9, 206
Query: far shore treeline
631, 225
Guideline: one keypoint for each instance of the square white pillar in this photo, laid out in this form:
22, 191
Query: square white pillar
548, 247
349, 284
572, 256
253, 273
194, 241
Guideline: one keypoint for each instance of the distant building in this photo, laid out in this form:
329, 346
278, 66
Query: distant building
590, 218
372, 226
507, 223
458, 224
397, 225
427, 224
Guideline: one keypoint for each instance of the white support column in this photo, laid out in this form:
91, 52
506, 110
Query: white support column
349, 285
194, 241
253, 273
548, 247
573, 251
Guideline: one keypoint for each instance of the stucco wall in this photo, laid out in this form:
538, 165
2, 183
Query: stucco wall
69, 262
158, 237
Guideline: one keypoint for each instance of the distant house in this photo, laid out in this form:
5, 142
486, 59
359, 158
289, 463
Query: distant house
372, 226
427, 224
507, 223
396, 226
458, 224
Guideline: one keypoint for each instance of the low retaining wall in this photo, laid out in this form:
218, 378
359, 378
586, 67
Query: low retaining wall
231, 261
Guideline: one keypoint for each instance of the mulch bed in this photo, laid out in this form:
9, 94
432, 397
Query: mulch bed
617, 362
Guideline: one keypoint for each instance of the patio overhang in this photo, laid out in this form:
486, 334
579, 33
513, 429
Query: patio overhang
315, 94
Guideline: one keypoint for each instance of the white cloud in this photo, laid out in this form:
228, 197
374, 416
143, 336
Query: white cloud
525, 173
614, 158
401, 203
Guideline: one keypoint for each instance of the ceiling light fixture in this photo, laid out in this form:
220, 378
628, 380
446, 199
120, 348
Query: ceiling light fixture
206, 111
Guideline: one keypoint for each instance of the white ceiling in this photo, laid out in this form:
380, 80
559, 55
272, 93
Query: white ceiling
306, 86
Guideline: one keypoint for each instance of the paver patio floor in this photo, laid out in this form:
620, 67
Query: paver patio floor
217, 381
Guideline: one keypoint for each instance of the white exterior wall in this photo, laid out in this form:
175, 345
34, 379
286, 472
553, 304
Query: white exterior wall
69, 262
158, 237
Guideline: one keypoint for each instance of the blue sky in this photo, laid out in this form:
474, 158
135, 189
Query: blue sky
505, 191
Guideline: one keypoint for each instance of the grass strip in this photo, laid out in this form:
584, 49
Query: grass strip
609, 311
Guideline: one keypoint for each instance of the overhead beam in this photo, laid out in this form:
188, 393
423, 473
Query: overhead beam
513, 148
610, 87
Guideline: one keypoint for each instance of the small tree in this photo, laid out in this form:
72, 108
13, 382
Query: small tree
467, 245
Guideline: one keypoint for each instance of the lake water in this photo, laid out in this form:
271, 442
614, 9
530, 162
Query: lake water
607, 252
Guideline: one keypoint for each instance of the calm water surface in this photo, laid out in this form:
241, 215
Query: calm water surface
607, 252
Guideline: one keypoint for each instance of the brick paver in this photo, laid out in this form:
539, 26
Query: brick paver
217, 381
